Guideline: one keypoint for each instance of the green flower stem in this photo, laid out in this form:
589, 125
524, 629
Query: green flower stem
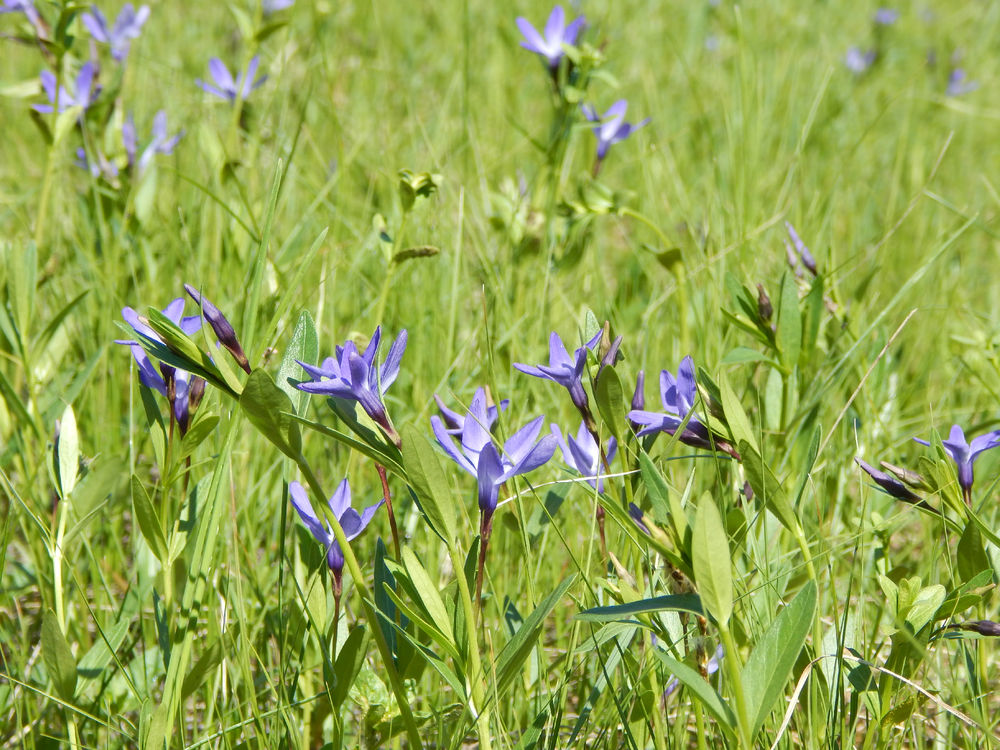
402, 700
476, 674
734, 670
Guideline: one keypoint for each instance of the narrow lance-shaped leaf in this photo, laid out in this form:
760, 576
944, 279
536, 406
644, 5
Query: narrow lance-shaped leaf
710, 557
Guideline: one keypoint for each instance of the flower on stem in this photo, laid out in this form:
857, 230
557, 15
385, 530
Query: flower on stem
557, 33
225, 86
83, 96
182, 389
565, 370
22, 6
611, 127
678, 395
454, 422
890, 484
223, 328
480, 457
583, 454
800, 251
964, 454
354, 376
99, 166
127, 27
958, 85
352, 522
162, 143
858, 61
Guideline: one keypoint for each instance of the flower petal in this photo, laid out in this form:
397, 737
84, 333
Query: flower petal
518, 445
445, 440
305, 510
390, 368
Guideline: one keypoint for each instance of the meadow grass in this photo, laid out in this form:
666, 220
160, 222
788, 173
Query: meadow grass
160, 591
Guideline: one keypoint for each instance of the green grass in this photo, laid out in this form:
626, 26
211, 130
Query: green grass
290, 203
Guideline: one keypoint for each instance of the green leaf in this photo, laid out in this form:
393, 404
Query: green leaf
384, 453
429, 481
148, 520
618, 612
711, 562
519, 647
99, 657
971, 557
427, 593
701, 690
925, 605
349, 662
67, 452
611, 401
737, 419
812, 316
742, 354
204, 425
303, 347
766, 487
789, 332
209, 661
768, 668
270, 410
58, 657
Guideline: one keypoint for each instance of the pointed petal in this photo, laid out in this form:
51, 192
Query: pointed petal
519, 444
558, 356
561, 442
535, 457
532, 39
446, 442
573, 30
488, 475
305, 510
686, 388
390, 368
475, 432
452, 419
96, 24
340, 500
369, 513
248, 81
555, 25
530, 370
222, 77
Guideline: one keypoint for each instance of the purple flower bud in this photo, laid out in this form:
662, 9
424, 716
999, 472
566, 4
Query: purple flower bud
222, 327
888, 482
983, 627
764, 306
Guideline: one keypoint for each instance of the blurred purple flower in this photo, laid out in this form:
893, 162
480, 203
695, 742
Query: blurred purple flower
83, 96
186, 387
127, 27
354, 376
800, 251
480, 457
964, 454
557, 33
273, 6
98, 167
886, 16
162, 143
583, 454
611, 127
857, 61
565, 370
21, 6
957, 85
227, 88
352, 522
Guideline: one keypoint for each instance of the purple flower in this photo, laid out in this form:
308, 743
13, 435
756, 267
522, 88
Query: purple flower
678, 396
583, 454
98, 167
710, 668
857, 61
162, 143
352, 522
886, 16
964, 454
557, 33
957, 85
273, 6
127, 27
21, 6
480, 457
563, 369
888, 482
635, 512
800, 251
227, 88
354, 376
83, 96
186, 387
455, 422
611, 127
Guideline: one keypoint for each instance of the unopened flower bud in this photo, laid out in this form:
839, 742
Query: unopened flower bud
222, 327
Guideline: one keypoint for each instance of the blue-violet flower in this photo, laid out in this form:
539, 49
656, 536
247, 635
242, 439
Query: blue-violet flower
583, 454
611, 126
162, 143
127, 27
964, 454
557, 33
565, 370
83, 96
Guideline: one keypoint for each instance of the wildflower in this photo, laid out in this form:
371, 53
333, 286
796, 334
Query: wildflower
21, 6
800, 248
636, 514
160, 144
481, 458
179, 387
99, 166
127, 27
857, 61
352, 522
885, 16
565, 370
888, 482
583, 454
557, 33
223, 328
983, 627
273, 6
957, 85
83, 96
611, 126
964, 454
354, 376
227, 88
454, 422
